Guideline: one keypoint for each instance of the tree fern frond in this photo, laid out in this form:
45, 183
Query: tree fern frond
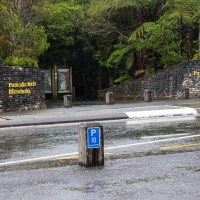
121, 54
129, 59
139, 32
121, 3
120, 46
118, 54
113, 55
123, 78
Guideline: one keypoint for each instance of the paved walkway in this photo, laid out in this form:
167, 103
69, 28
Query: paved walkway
55, 112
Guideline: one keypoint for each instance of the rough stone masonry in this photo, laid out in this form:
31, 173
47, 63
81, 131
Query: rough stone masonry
21, 88
166, 84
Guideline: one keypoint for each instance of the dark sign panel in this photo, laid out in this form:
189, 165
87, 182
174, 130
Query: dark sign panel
47, 80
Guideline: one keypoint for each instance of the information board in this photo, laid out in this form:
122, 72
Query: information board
63, 81
47, 80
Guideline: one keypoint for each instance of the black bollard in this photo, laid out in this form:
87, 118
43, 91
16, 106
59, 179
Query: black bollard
1, 64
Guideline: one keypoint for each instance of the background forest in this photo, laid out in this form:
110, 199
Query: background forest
105, 42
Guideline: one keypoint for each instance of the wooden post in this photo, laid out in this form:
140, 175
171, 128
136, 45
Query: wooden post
110, 98
67, 100
185, 93
1, 63
148, 95
91, 145
71, 85
55, 83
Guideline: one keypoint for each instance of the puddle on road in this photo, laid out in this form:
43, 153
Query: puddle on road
96, 188
35, 142
74, 161
137, 131
148, 153
39, 165
19, 143
148, 179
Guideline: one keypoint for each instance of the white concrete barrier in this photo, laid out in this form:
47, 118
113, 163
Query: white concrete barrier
162, 113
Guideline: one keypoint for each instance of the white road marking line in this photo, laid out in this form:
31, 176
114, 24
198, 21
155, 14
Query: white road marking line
154, 141
37, 159
168, 135
115, 147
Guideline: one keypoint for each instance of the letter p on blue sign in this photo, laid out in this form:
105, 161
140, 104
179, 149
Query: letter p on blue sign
93, 137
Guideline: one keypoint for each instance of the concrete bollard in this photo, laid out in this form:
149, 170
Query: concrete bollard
67, 100
91, 145
148, 95
110, 98
185, 93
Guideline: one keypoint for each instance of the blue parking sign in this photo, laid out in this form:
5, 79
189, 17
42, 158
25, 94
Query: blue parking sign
93, 137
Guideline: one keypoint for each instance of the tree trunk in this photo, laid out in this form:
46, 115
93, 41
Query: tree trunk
23, 41
199, 39
99, 77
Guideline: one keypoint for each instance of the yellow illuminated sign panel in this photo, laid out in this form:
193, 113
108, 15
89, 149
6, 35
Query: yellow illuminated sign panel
20, 85
196, 73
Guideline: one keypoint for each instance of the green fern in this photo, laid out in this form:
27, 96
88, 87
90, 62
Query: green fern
120, 53
129, 59
120, 3
139, 32
125, 77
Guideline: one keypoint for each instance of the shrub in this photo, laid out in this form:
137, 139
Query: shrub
25, 62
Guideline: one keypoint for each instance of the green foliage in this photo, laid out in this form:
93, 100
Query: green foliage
187, 12
141, 31
4, 46
18, 20
101, 58
38, 44
60, 21
122, 51
149, 71
24, 62
122, 37
125, 78
129, 59
196, 55
167, 46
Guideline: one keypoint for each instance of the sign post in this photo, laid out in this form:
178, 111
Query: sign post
91, 145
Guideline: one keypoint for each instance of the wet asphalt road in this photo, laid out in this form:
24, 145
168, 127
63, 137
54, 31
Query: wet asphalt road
144, 159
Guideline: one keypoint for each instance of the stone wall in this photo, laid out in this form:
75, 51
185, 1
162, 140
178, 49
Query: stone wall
21, 88
166, 84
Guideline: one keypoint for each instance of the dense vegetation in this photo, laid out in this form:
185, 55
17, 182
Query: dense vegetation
104, 41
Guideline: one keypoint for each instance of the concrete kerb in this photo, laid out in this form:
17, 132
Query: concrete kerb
99, 112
